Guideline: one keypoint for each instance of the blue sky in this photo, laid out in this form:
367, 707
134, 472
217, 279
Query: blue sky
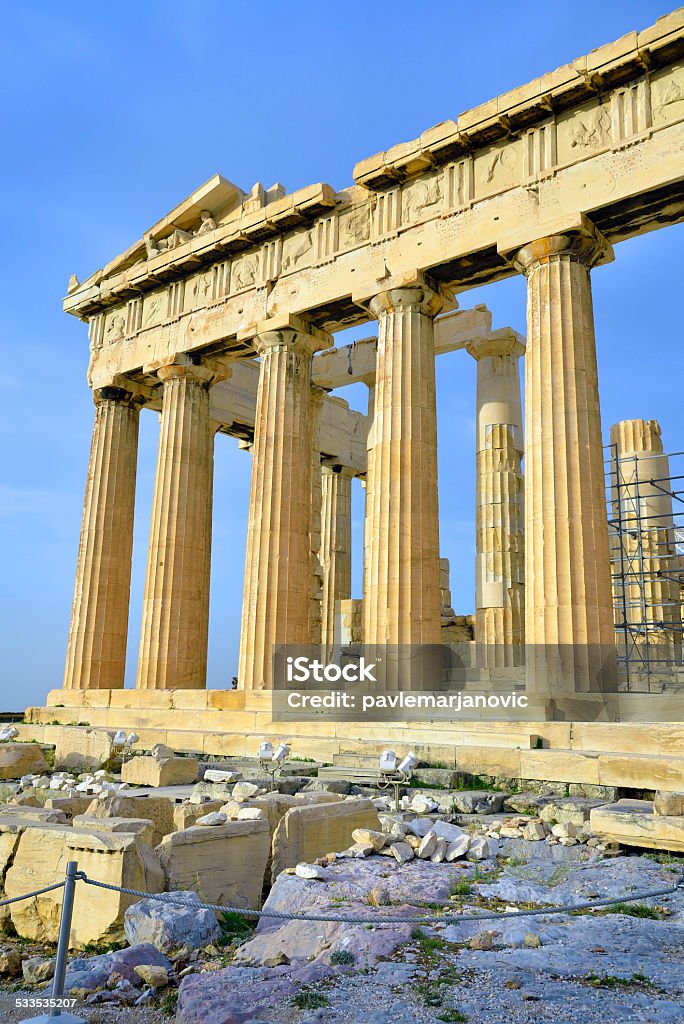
113, 113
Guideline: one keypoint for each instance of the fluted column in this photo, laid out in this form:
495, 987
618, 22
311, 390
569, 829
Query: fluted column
316, 595
499, 528
645, 560
277, 588
402, 597
569, 613
335, 544
96, 651
175, 619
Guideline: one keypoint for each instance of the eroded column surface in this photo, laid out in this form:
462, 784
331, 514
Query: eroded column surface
336, 508
316, 595
499, 544
645, 560
402, 596
96, 651
569, 614
277, 589
175, 619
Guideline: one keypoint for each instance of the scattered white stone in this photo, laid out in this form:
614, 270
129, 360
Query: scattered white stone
42, 783
244, 791
367, 836
216, 775
420, 826
510, 832
449, 832
427, 846
250, 814
534, 831
482, 848
564, 830
423, 804
458, 848
311, 871
401, 852
361, 849
440, 850
568, 841
214, 818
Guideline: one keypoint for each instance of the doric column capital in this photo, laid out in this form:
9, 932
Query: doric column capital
504, 342
287, 339
189, 366
119, 395
576, 239
418, 297
331, 466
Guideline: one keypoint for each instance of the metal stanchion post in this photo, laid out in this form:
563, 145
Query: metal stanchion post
56, 1012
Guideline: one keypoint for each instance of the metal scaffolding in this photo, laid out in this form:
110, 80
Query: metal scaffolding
646, 532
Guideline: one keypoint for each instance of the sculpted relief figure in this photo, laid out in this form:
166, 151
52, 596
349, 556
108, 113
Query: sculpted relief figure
115, 329
294, 253
355, 227
426, 194
593, 131
208, 223
244, 273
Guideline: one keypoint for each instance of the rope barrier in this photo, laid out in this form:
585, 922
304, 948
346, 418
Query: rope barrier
30, 895
279, 915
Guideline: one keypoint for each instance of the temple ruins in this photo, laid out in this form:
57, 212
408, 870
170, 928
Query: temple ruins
222, 319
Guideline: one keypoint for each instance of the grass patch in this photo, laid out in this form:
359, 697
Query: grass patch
234, 928
636, 910
344, 957
610, 981
428, 944
452, 1016
168, 1002
307, 999
97, 948
461, 887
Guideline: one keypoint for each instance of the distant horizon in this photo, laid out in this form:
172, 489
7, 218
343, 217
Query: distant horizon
103, 140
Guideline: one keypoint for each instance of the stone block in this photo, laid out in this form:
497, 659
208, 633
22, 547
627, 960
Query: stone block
17, 759
169, 927
185, 815
158, 809
142, 827
162, 771
40, 859
224, 864
669, 804
305, 833
633, 823
69, 805
83, 748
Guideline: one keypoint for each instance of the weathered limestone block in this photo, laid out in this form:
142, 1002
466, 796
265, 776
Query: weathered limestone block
40, 859
185, 815
160, 771
633, 823
224, 864
69, 805
670, 804
159, 809
305, 833
142, 827
83, 748
17, 759
20, 812
9, 840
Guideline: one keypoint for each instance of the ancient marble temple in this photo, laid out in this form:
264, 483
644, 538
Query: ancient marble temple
222, 318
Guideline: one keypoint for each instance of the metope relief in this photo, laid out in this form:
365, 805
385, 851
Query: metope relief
667, 96
584, 132
297, 250
421, 200
354, 227
497, 168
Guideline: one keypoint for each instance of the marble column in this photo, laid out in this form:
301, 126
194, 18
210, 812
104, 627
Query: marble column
175, 619
277, 588
336, 561
96, 652
568, 599
647, 606
402, 595
316, 596
499, 536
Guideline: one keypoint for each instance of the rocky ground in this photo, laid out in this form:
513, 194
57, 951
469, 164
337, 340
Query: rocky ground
591, 967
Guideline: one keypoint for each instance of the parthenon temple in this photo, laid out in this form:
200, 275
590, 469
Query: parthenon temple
223, 318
